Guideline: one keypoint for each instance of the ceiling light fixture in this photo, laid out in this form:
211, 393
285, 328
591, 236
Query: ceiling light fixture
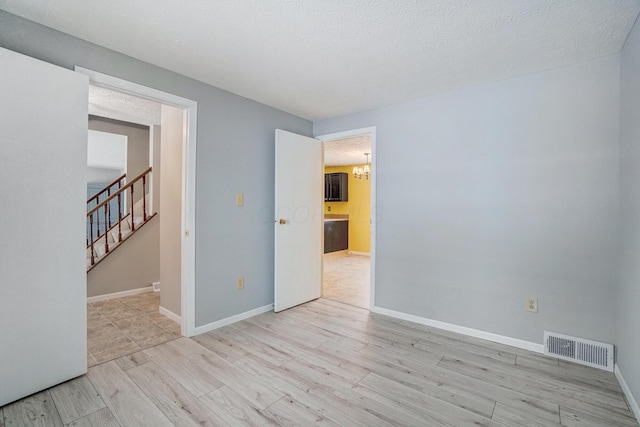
365, 172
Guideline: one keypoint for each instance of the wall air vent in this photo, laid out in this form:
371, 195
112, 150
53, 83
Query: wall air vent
591, 353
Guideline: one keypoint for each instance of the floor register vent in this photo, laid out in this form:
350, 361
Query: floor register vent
586, 352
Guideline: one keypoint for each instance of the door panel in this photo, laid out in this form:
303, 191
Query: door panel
43, 155
299, 204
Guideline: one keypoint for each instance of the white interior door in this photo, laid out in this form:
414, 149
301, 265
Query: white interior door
43, 160
298, 219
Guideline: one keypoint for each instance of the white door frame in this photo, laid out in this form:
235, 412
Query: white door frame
372, 230
188, 226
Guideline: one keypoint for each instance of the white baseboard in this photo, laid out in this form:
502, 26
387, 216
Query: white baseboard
120, 294
171, 315
229, 320
633, 403
359, 253
514, 342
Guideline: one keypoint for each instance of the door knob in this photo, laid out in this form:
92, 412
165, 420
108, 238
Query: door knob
283, 221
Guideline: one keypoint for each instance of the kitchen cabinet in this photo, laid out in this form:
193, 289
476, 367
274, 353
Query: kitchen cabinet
336, 187
336, 235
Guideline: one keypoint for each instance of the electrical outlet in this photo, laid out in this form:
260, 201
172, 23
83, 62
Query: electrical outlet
532, 304
239, 199
240, 282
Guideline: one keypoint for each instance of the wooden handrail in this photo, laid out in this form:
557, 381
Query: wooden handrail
106, 189
103, 210
122, 189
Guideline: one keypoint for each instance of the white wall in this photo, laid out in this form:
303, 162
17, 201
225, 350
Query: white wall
102, 175
493, 193
628, 310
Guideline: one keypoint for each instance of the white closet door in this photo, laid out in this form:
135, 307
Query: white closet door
43, 155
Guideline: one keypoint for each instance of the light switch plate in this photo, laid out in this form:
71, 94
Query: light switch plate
239, 199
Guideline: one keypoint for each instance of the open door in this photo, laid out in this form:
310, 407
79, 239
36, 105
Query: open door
43, 279
298, 219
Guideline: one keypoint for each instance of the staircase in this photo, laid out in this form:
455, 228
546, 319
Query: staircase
113, 216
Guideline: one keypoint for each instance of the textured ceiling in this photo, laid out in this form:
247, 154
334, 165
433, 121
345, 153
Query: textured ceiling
348, 151
319, 59
120, 106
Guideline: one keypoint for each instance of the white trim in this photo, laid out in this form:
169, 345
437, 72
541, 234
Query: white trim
372, 229
119, 294
170, 314
360, 253
233, 319
188, 246
633, 403
513, 342
150, 206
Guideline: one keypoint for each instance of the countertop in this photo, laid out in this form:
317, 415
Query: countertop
336, 217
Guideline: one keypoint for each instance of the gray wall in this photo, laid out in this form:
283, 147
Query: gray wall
629, 289
235, 151
493, 193
135, 265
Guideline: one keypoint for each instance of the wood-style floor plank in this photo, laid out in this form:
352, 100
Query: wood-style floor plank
576, 418
125, 400
513, 417
75, 399
270, 353
422, 383
190, 376
542, 390
132, 360
235, 378
284, 329
276, 377
101, 418
523, 402
326, 403
175, 401
221, 347
330, 364
289, 412
445, 412
234, 409
36, 410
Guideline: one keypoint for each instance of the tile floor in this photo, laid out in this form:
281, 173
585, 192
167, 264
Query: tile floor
346, 279
122, 326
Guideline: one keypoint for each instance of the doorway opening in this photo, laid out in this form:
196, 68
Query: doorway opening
349, 223
170, 154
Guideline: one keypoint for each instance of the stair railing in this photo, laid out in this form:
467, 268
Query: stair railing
103, 209
104, 193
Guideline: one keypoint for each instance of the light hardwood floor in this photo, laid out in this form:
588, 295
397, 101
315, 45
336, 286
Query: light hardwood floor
330, 364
